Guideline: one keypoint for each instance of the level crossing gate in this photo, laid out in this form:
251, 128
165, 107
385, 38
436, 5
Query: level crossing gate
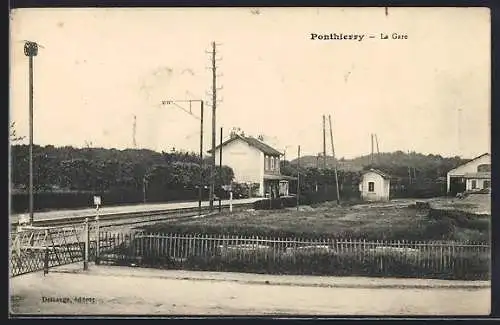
34, 249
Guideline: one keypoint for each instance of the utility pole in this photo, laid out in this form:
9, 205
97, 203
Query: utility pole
378, 152
324, 141
371, 155
200, 188
134, 129
220, 169
317, 167
174, 102
31, 50
459, 124
214, 111
409, 169
298, 177
335, 162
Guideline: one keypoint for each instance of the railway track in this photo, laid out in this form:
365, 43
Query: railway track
131, 218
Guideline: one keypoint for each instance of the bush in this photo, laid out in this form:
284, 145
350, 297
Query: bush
277, 203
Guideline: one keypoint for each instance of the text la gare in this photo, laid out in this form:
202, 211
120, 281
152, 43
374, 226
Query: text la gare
393, 36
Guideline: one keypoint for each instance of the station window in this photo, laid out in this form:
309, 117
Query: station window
474, 184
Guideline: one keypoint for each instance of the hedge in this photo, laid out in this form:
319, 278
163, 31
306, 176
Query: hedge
276, 203
75, 200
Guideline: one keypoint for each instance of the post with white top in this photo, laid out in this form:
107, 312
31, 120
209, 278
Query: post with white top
86, 244
98, 238
97, 202
231, 201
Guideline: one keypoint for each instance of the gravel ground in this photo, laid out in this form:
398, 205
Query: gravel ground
121, 290
473, 203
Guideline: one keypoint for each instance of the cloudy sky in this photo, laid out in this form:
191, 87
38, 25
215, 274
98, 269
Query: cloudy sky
99, 68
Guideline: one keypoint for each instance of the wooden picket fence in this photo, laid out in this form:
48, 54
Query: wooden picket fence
328, 256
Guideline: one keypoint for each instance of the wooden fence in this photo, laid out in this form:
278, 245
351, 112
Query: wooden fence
445, 260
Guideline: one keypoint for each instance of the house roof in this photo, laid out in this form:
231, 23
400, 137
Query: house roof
377, 171
484, 154
473, 159
254, 143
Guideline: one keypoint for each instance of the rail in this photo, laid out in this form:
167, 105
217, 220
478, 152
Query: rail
126, 215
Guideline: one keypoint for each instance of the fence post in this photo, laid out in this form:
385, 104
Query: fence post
86, 244
98, 238
46, 262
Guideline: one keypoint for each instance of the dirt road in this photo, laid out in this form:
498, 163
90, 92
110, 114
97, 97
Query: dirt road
118, 290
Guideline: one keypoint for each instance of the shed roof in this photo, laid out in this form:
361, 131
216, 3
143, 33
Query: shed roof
265, 148
379, 172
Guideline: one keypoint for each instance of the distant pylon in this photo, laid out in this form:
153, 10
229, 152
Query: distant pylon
134, 129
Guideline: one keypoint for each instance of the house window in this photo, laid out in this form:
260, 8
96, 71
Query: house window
272, 163
484, 168
371, 186
474, 184
486, 184
266, 159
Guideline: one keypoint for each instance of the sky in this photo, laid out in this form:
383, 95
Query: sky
99, 68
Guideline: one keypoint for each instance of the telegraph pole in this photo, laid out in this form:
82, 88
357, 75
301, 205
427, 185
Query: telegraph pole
298, 177
174, 102
214, 111
378, 151
200, 188
31, 50
220, 169
409, 168
335, 162
324, 142
134, 130
371, 156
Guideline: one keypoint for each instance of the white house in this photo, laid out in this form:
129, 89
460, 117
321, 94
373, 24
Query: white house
254, 162
473, 175
375, 185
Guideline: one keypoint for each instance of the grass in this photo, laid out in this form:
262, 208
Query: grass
366, 221
398, 220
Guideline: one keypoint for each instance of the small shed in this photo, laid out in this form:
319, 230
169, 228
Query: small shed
375, 185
